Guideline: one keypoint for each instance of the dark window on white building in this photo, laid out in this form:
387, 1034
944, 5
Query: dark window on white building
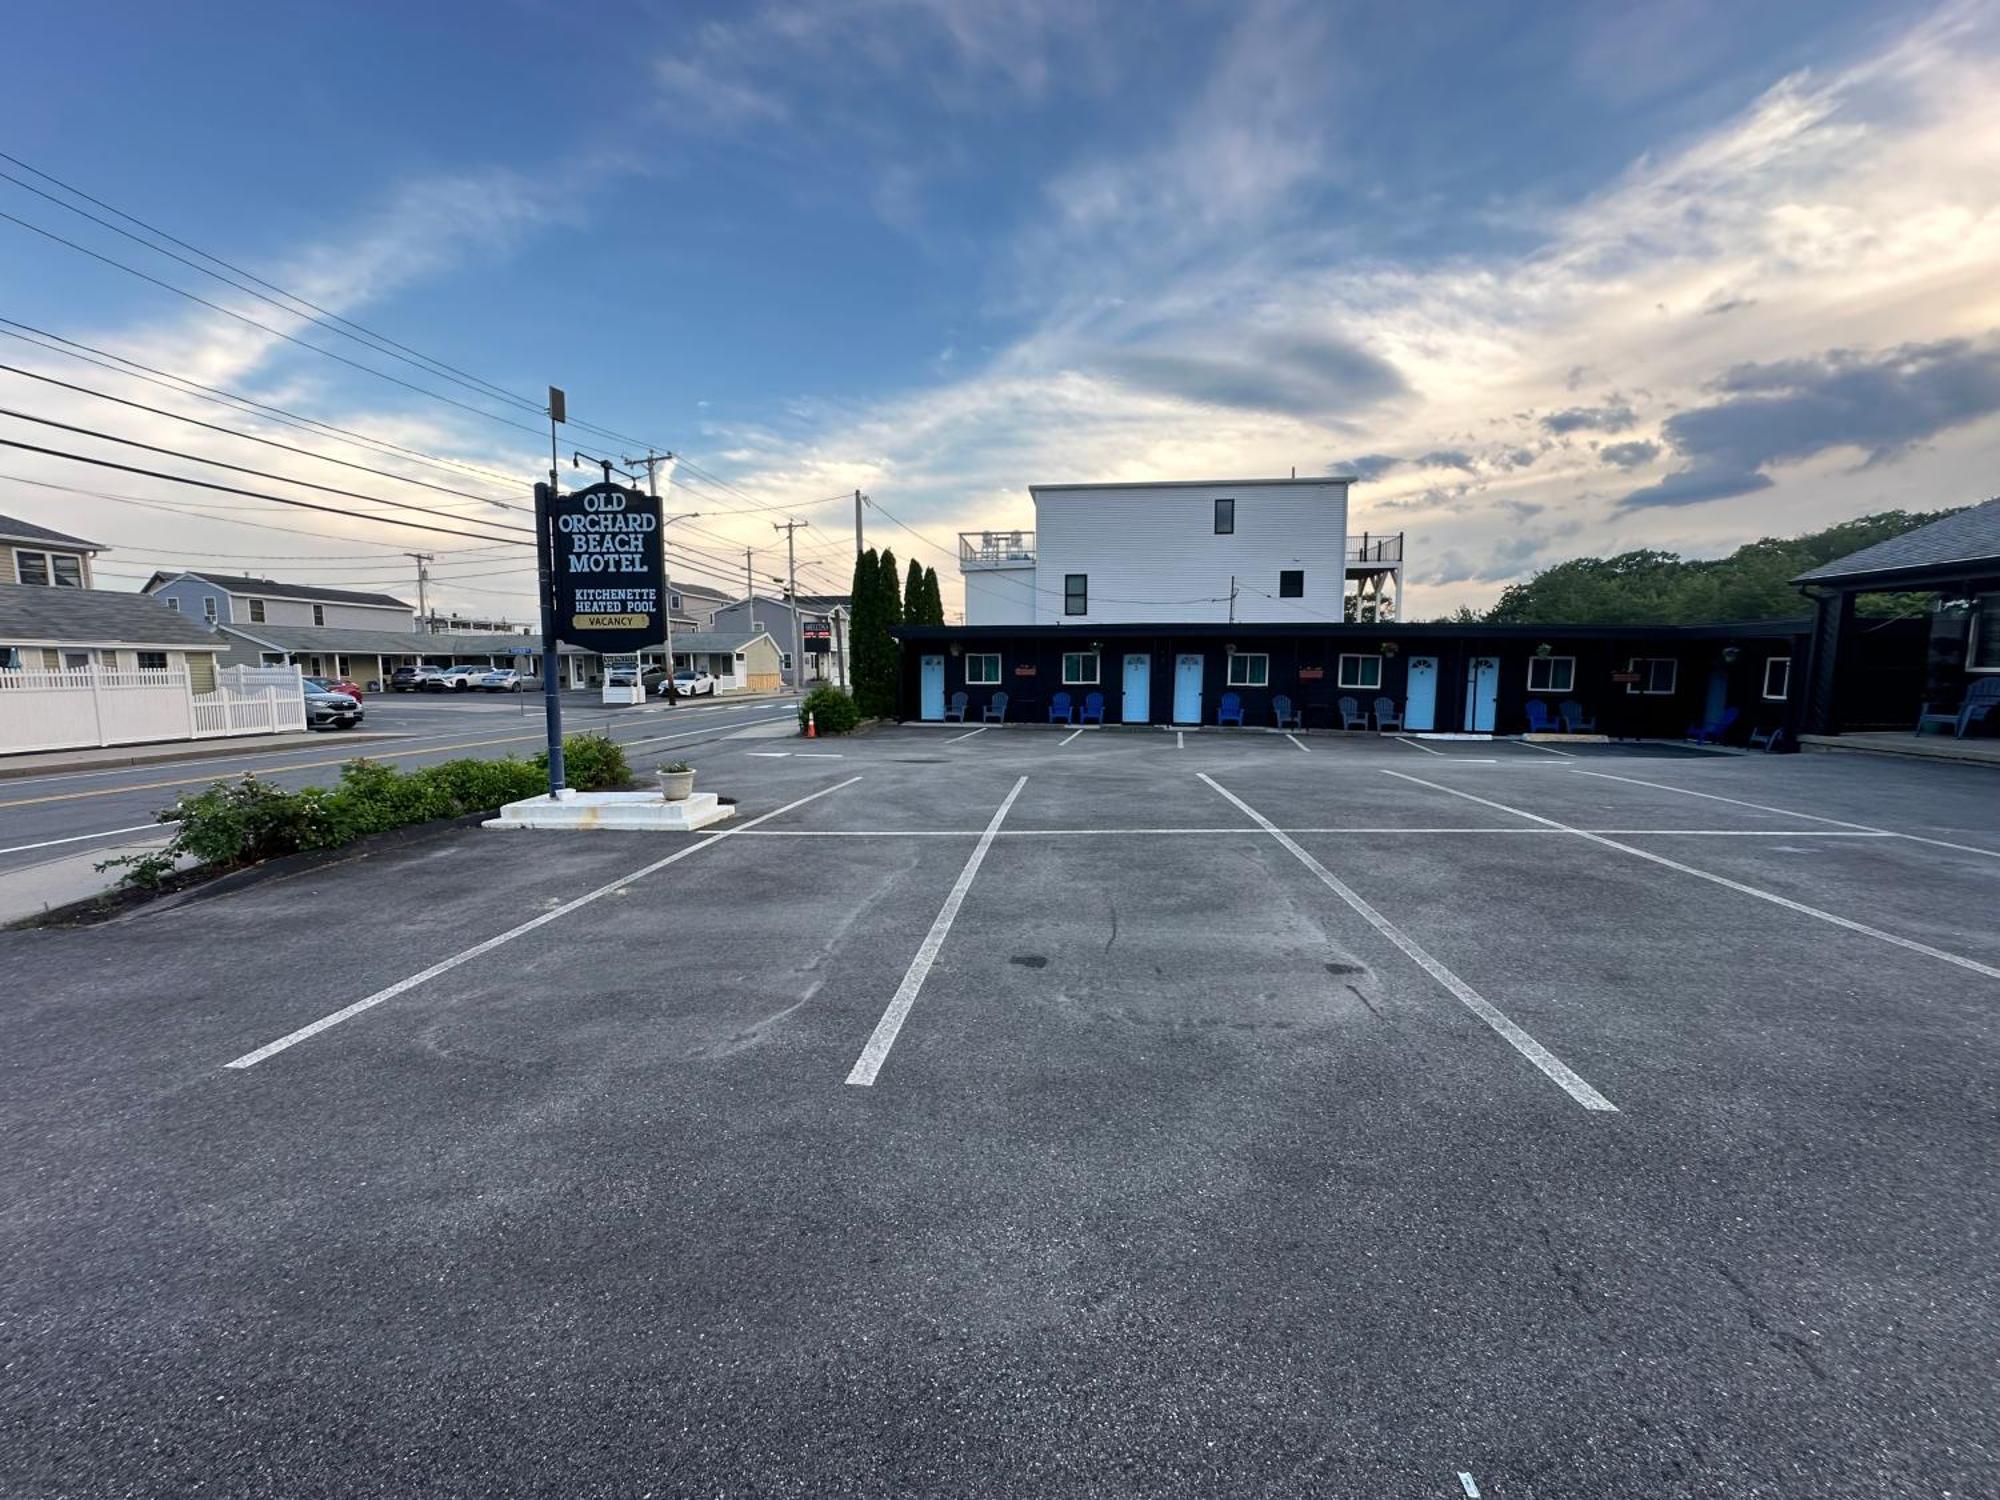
1225, 518
1292, 583
1076, 593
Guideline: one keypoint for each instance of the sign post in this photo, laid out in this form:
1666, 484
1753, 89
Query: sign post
551, 660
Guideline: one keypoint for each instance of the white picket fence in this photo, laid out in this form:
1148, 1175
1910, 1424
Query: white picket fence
95, 706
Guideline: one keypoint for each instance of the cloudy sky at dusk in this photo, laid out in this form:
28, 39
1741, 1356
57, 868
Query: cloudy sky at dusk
1548, 279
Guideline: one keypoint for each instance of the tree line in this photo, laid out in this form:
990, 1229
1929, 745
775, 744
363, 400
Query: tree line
880, 604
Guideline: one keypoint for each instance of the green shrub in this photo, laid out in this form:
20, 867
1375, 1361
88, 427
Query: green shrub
591, 763
833, 711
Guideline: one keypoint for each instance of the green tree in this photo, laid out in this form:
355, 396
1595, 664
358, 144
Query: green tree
933, 599
864, 630
914, 611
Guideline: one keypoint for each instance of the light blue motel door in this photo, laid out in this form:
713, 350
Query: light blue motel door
933, 682
1138, 705
1420, 712
1187, 688
1482, 688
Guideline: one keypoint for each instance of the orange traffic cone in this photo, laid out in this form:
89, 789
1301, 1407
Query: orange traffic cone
812, 729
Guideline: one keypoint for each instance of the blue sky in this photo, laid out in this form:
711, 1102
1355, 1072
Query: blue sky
1552, 279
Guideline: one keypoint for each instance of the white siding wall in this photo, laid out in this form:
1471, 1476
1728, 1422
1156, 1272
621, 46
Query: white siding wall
338, 616
1000, 596
1156, 547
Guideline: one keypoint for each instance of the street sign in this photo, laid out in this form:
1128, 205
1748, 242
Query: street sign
608, 566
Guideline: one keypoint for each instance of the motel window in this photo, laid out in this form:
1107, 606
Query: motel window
1292, 583
1982, 649
785, 660
76, 661
319, 614
31, 567
1249, 669
174, 605
1079, 669
1076, 595
256, 611
1777, 678
1552, 674
982, 669
1658, 675
271, 659
208, 608
1225, 518
152, 661
342, 667
1361, 672
68, 569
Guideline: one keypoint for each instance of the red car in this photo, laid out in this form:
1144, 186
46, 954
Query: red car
336, 685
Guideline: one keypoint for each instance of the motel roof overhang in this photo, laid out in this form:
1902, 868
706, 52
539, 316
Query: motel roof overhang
1362, 633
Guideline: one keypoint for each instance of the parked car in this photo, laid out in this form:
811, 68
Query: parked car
335, 685
413, 679
325, 710
456, 679
689, 682
500, 680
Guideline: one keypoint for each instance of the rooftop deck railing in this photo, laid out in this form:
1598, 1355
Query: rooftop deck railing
993, 549
1376, 549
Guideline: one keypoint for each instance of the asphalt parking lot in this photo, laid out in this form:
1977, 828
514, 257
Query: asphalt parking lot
1024, 1113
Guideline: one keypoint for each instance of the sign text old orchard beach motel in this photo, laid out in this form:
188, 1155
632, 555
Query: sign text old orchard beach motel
609, 569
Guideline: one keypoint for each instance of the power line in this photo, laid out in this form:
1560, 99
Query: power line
254, 438
131, 368
227, 489
318, 316
422, 510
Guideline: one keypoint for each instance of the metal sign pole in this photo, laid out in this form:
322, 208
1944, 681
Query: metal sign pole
551, 659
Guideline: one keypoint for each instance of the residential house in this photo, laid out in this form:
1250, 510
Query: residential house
693, 605
821, 625
35, 555
227, 599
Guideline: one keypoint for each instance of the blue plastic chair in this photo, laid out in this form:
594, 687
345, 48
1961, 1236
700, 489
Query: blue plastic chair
1711, 733
1981, 699
1059, 709
954, 712
1230, 710
1540, 721
1351, 716
1387, 715
1093, 708
995, 711
1574, 720
1286, 715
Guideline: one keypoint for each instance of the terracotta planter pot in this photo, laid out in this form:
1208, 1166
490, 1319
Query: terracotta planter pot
676, 786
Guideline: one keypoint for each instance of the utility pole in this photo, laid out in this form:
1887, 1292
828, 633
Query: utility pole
791, 530
423, 587
545, 578
1232, 598
651, 462
857, 526
750, 589
837, 620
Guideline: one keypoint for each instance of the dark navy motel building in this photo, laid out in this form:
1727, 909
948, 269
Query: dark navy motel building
1632, 681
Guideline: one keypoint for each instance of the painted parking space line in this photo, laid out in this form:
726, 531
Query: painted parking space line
1554, 1068
1848, 923
1467, 1483
1386, 829
1786, 812
876, 1052
1299, 742
1068, 737
1404, 739
968, 734
348, 1012
1546, 749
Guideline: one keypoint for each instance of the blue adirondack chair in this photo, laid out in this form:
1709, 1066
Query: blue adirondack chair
1981, 700
1539, 719
1093, 709
1230, 710
1351, 716
996, 709
1767, 739
1059, 709
1574, 720
1712, 731
1287, 716
954, 712
1387, 715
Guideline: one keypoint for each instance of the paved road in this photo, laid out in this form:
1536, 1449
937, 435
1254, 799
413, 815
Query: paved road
44, 817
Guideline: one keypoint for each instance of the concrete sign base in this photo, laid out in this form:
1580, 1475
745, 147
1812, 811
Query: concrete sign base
621, 810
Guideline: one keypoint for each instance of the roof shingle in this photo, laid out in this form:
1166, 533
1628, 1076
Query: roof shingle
271, 588
14, 529
94, 617
1971, 537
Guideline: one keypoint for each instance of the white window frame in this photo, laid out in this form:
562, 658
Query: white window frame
1972, 637
208, 608
55, 573
271, 659
1550, 687
139, 661
1096, 669
1644, 665
1345, 680
982, 680
1783, 692
785, 661
319, 614
48, 578
1243, 681
173, 604
257, 612
71, 663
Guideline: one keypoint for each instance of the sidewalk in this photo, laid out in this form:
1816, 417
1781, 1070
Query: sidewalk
113, 757
65, 877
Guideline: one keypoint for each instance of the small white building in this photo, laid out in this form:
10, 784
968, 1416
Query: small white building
1265, 551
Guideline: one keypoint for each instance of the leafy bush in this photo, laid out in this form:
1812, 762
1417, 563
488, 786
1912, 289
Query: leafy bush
833, 711
591, 763
246, 821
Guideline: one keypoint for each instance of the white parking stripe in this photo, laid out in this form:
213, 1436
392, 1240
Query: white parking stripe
968, 734
80, 838
1722, 880
877, 1051
1786, 812
347, 1012
1558, 1072
1068, 737
1414, 745
1300, 743
1551, 749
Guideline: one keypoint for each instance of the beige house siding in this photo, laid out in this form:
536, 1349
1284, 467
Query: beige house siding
201, 672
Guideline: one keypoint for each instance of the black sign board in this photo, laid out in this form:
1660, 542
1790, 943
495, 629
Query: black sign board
816, 634
608, 568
